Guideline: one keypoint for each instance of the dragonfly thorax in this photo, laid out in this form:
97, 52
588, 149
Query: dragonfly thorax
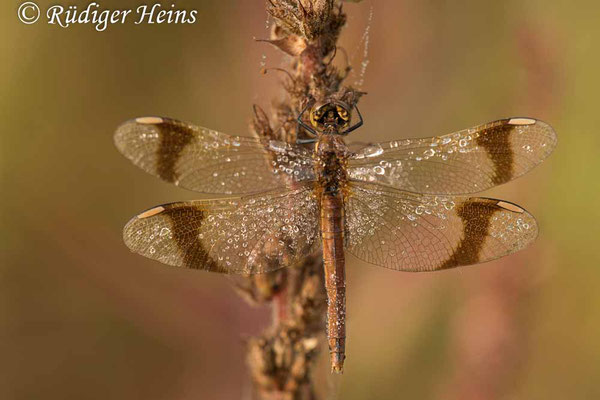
330, 168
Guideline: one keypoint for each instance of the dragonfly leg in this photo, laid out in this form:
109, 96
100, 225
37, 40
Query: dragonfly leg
305, 141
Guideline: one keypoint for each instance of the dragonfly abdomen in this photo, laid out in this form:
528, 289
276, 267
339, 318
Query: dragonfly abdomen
332, 229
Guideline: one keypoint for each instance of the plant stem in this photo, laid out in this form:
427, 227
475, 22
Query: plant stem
282, 359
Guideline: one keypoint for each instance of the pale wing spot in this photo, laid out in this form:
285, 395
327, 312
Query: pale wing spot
149, 120
521, 121
151, 212
510, 207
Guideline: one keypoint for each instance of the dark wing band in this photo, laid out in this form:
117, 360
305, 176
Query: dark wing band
412, 232
463, 162
207, 161
246, 235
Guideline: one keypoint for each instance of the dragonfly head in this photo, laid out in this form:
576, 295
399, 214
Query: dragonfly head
330, 116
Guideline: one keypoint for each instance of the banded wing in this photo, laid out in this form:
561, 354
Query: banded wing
207, 161
414, 232
463, 162
252, 234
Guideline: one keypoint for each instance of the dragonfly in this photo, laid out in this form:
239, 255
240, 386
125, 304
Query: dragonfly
405, 204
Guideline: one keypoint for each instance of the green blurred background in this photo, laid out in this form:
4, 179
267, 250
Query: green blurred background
83, 318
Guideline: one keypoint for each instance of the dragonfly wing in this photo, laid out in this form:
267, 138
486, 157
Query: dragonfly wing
406, 231
252, 234
463, 162
207, 161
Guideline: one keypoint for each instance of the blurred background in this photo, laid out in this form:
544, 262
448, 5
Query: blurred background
83, 318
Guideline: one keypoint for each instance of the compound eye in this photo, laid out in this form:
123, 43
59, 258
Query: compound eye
315, 116
342, 112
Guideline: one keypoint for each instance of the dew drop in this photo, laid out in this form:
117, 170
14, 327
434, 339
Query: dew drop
164, 232
372, 151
